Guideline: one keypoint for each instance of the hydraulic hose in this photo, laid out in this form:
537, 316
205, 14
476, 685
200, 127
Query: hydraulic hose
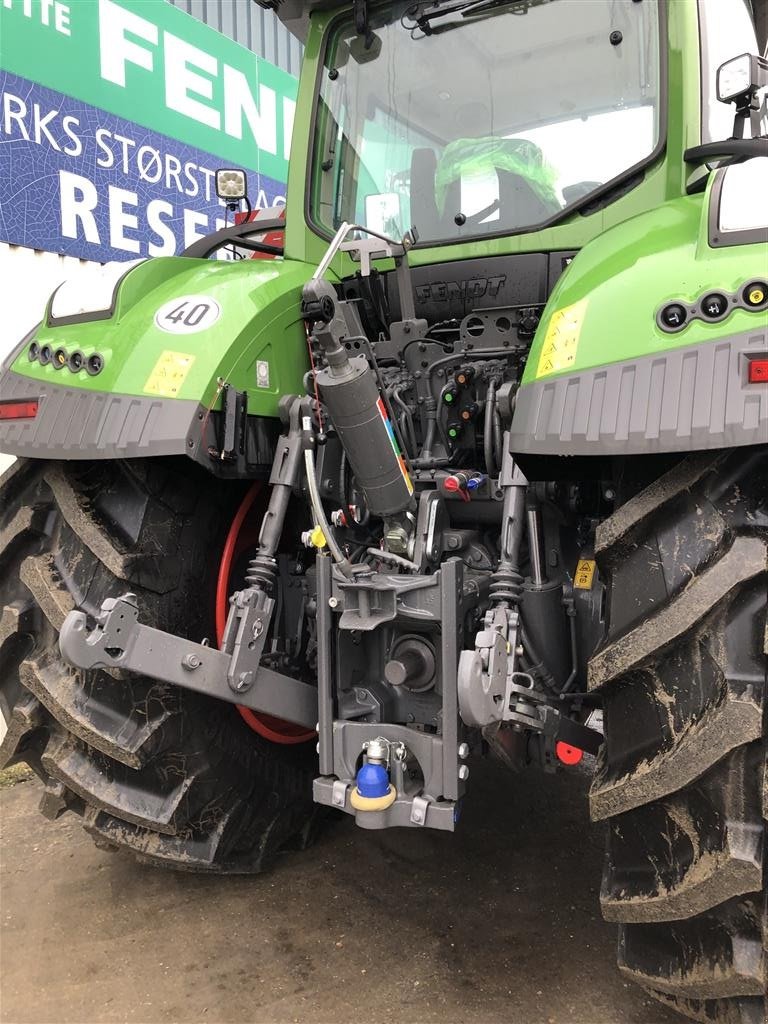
488, 438
429, 440
498, 437
320, 518
409, 434
536, 665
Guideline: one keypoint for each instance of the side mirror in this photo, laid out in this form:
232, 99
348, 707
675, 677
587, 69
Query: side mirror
383, 214
231, 184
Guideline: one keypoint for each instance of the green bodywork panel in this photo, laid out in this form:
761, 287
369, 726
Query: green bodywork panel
618, 282
642, 247
260, 303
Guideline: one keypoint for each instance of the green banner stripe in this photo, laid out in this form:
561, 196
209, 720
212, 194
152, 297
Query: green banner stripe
155, 65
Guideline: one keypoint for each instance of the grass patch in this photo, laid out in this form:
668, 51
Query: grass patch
15, 774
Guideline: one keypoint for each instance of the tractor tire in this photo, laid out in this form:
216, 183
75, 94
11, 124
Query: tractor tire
174, 777
681, 779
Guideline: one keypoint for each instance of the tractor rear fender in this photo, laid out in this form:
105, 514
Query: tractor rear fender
134, 368
648, 339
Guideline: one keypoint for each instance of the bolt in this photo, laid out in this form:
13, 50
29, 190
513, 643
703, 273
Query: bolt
463, 772
191, 662
243, 681
333, 602
417, 816
609, 494
258, 629
519, 650
463, 750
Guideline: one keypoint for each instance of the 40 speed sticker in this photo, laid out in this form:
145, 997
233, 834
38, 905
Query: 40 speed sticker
188, 314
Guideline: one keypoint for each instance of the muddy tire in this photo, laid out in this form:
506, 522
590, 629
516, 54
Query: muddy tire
681, 780
175, 778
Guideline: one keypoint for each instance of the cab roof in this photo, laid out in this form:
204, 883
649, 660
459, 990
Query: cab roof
295, 14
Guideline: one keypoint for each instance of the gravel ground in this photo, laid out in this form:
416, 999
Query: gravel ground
498, 923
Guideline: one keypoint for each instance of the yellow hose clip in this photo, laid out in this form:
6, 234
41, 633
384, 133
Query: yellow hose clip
317, 538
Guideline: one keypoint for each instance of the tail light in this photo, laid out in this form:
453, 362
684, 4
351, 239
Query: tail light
757, 372
26, 410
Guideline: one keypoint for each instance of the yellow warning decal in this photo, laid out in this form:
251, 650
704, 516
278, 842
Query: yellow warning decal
169, 373
584, 576
561, 339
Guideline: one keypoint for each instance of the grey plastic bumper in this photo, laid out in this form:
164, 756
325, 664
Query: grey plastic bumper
687, 399
75, 424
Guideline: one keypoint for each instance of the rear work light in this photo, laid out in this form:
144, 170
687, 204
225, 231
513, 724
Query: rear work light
757, 372
26, 410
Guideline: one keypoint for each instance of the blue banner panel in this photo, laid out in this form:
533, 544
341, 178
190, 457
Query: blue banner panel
80, 181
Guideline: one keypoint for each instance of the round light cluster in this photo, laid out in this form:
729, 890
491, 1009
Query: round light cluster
712, 306
60, 358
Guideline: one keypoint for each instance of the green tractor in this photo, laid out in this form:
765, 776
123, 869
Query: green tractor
473, 462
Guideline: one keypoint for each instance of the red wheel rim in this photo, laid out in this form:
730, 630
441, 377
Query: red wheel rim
241, 536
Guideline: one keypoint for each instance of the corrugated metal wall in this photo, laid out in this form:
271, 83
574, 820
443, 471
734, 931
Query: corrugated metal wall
249, 25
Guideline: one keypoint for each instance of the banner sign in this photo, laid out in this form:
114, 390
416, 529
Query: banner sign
114, 115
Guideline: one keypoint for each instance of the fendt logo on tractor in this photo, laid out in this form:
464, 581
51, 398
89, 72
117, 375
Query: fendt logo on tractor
471, 461
447, 291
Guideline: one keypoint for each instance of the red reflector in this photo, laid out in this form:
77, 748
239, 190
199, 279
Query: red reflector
18, 410
568, 754
758, 371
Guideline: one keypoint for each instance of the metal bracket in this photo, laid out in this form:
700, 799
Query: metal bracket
245, 635
120, 641
419, 808
486, 678
339, 793
235, 410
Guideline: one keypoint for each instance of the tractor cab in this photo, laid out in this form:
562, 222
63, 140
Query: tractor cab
481, 120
